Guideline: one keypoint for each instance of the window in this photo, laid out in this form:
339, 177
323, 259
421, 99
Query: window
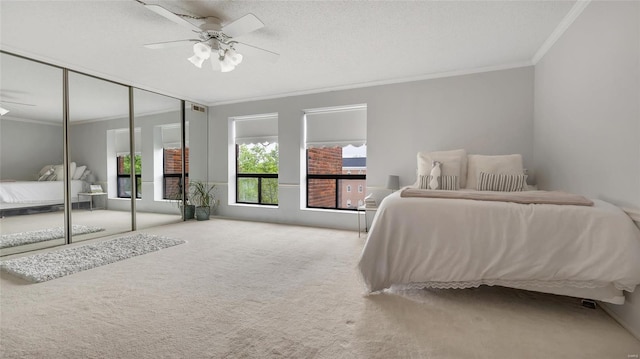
124, 175
123, 163
172, 161
336, 156
257, 159
172, 170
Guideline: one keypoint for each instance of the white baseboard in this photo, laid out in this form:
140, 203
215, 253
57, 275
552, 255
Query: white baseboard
634, 331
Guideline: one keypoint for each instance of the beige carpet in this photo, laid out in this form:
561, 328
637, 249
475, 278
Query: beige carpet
249, 290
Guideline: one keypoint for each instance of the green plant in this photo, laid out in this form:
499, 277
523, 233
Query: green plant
202, 194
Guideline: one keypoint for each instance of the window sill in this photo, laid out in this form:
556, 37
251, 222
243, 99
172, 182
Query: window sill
325, 210
253, 205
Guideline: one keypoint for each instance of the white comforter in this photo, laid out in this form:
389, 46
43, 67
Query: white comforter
37, 191
458, 243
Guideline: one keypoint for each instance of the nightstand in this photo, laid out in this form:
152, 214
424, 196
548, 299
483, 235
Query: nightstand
363, 210
91, 195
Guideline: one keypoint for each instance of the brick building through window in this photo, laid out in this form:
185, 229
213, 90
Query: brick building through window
344, 172
172, 169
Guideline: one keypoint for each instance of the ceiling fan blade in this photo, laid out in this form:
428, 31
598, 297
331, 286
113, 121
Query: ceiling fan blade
17, 103
254, 51
171, 16
243, 25
168, 44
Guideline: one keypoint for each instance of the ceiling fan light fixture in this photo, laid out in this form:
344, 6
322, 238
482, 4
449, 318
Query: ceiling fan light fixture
226, 65
202, 50
196, 60
233, 56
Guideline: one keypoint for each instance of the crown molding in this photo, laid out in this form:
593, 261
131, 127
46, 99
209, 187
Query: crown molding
39, 122
380, 83
571, 16
45, 60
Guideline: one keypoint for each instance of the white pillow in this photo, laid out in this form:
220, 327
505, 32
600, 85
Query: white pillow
78, 173
72, 169
505, 164
454, 163
58, 170
85, 175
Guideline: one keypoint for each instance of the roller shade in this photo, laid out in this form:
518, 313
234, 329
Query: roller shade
122, 141
256, 130
171, 136
336, 127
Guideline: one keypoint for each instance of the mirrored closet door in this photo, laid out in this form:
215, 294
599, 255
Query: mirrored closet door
31, 155
157, 122
100, 157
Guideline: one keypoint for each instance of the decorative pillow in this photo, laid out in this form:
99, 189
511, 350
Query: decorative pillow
506, 164
85, 175
448, 183
501, 182
45, 176
454, 163
44, 169
78, 173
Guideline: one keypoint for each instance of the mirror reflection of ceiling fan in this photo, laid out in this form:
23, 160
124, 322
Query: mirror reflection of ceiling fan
4, 111
214, 42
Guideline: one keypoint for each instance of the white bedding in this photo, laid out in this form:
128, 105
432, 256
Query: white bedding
589, 252
37, 192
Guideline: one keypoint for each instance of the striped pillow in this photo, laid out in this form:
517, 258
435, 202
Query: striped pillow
449, 183
501, 182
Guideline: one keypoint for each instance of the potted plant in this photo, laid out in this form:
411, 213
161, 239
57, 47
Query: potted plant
189, 209
202, 195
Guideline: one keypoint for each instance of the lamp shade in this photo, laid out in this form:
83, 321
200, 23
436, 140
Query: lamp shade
196, 60
234, 57
226, 65
393, 182
202, 50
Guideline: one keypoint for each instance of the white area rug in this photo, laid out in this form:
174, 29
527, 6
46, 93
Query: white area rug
22, 238
46, 266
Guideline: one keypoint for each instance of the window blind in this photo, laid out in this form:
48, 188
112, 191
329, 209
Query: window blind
337, 127
256, 130
171, 136
122, 141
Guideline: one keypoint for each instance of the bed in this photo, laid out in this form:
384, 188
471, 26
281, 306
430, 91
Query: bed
585, 251
45, 194
24, 194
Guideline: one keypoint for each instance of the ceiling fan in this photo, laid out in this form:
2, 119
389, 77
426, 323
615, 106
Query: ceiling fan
214, 41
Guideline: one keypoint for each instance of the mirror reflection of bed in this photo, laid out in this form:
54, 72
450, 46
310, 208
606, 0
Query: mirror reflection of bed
35, 209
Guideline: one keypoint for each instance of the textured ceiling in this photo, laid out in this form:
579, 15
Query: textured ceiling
323, 44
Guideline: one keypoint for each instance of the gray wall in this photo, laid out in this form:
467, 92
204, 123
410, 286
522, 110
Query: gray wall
26, 147
88, 146
488, 113
587, 114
